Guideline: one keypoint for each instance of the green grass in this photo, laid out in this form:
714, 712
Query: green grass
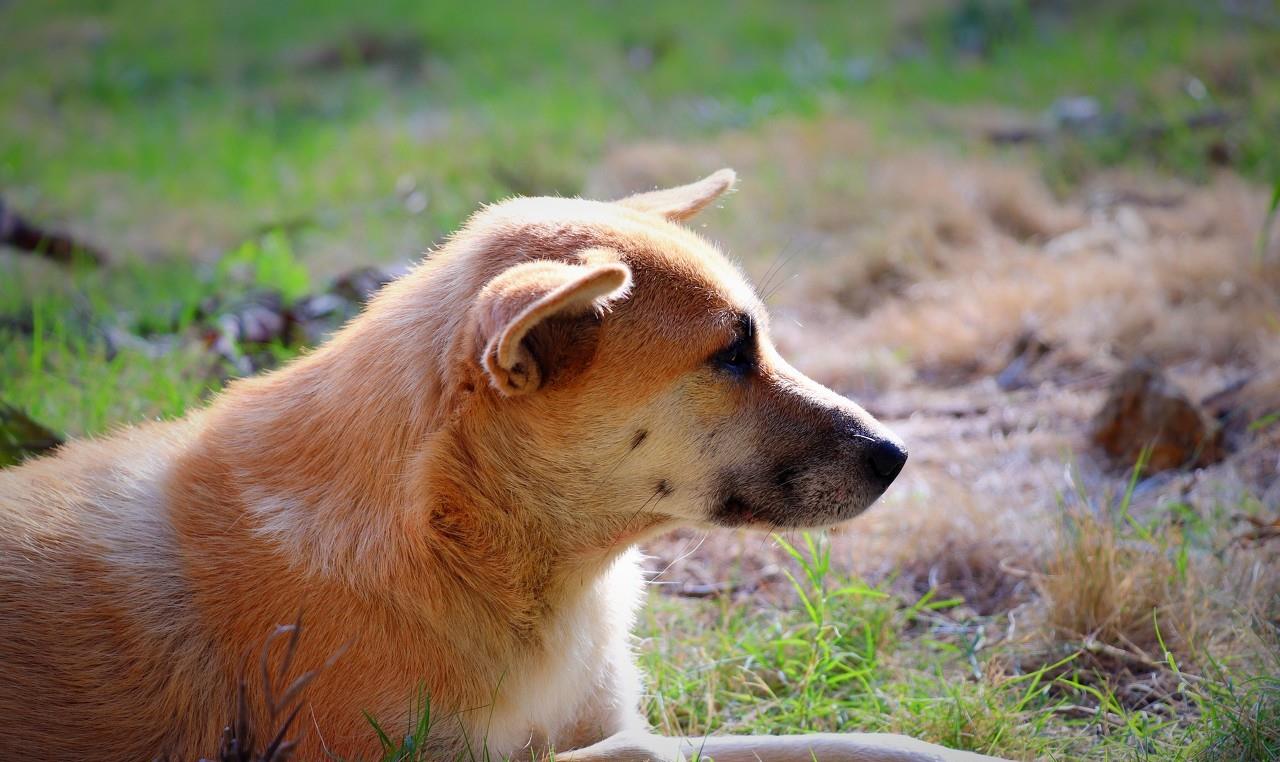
83, 351
1242, 719
163, 126
848, 656
411, 745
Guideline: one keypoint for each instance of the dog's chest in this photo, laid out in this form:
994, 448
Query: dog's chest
581, 674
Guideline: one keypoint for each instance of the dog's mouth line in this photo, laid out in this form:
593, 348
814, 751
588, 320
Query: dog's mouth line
736, 511
740, 512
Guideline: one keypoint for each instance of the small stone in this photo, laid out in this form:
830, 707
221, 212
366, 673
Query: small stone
1075, 111
260, 319
360, 284
1144, 409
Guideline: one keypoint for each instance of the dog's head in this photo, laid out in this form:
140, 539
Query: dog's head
623, 364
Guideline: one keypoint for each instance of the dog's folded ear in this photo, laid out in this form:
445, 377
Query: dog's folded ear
530, 316
679, 204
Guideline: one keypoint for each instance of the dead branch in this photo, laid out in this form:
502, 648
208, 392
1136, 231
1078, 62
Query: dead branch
26, 236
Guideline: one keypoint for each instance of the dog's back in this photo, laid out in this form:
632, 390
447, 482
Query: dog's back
97, 634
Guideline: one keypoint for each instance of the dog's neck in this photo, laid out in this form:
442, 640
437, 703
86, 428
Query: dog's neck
483, 488
509, 541
318, 451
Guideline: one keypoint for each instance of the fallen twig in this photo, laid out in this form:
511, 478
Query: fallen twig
1263, 529
28, 237
1134, 660
1023, 134
1088, 713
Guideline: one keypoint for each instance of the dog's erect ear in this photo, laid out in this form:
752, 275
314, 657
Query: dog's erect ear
679, 204
524, 297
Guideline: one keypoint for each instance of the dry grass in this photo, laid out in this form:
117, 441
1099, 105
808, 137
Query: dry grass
283, 700
947, 260
1114, 289
968, 550
1121, 598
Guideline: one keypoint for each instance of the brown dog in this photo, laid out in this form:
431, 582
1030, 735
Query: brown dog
450, 489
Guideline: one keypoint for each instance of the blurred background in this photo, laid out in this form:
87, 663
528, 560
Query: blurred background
1034, 236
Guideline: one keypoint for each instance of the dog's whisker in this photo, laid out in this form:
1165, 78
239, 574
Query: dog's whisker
654, 498
785, 258
617, 464
777, 264
767, 536
684, 553
781, 284
775, 271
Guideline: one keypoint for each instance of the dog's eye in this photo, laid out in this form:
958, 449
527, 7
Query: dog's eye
738, 358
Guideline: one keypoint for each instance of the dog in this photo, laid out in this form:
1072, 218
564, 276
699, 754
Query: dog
451, 488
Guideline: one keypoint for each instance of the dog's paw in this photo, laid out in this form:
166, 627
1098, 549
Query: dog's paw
629, 747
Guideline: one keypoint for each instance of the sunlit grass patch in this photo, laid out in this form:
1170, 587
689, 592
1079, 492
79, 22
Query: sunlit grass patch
85, 350
1126, 651
1241, 717
844, 656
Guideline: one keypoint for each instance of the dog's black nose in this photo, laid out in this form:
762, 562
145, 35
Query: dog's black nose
887, 459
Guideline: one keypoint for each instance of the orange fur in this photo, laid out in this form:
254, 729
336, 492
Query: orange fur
449, 490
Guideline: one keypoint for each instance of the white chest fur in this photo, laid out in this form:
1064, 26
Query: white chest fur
586, 677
